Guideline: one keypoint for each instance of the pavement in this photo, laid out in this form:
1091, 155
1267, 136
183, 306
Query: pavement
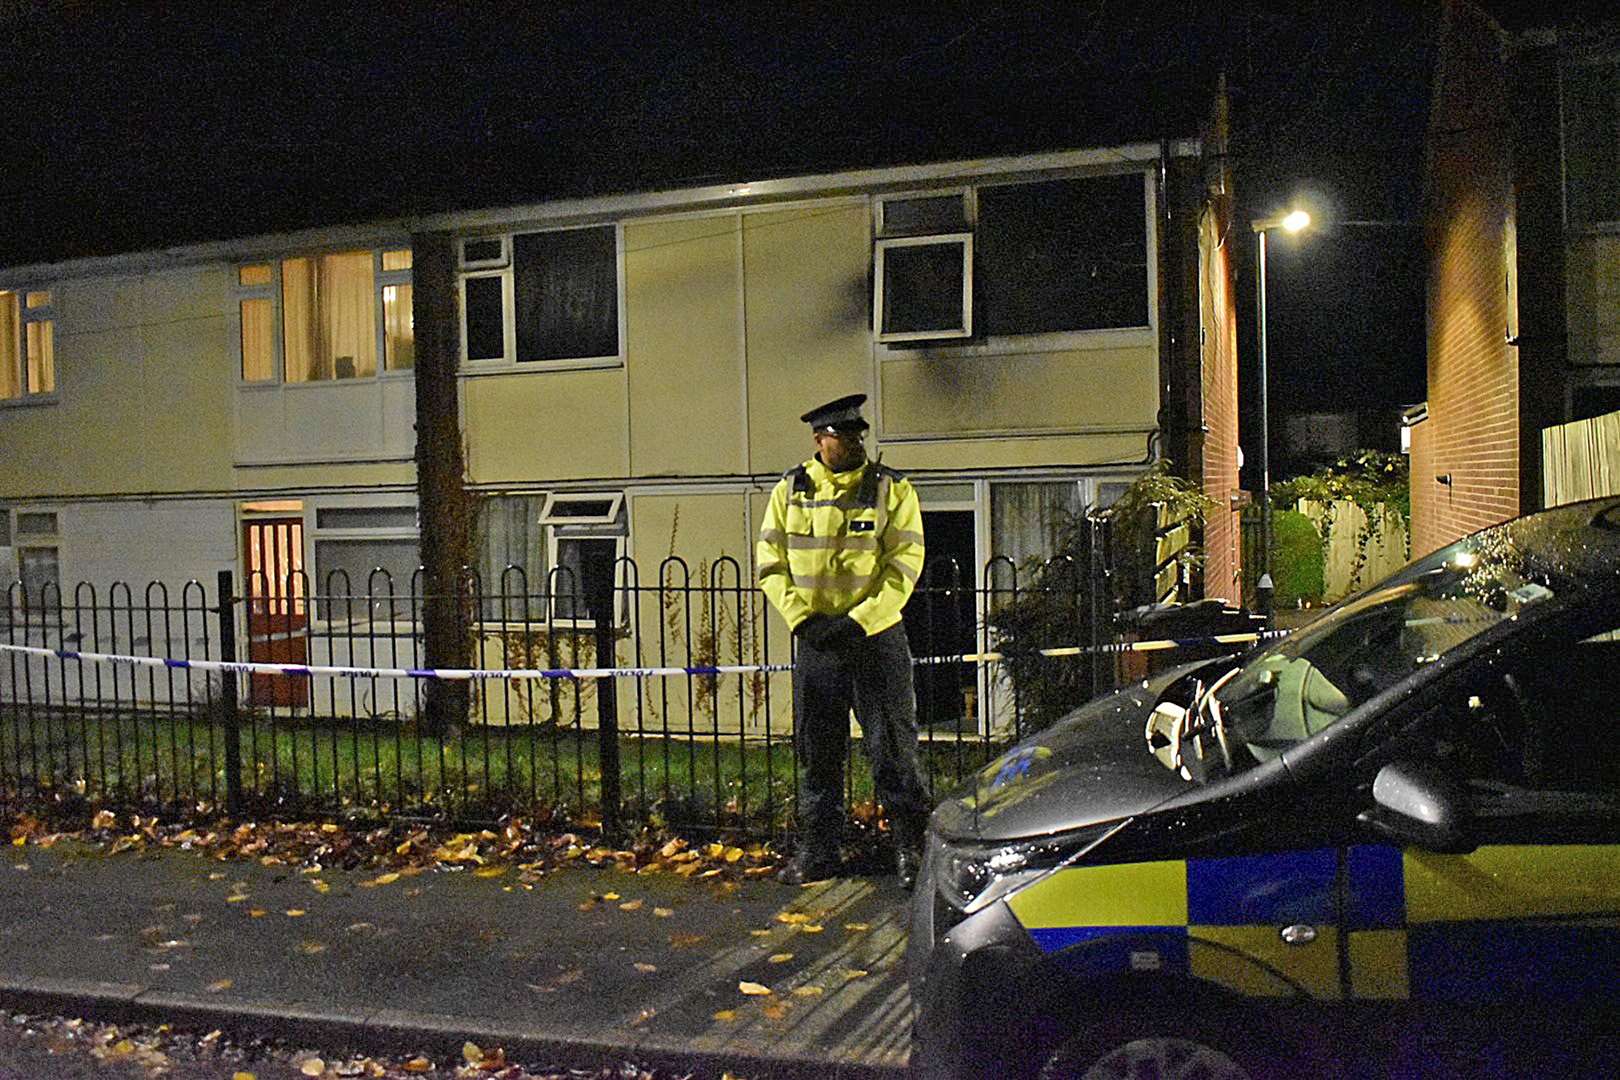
590, 966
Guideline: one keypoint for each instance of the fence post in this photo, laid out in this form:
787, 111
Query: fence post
607, 713
229, 703
1100, 595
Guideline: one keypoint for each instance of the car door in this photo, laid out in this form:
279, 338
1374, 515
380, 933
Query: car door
1526, 925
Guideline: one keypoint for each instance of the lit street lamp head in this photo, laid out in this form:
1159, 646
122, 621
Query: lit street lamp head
1292, 222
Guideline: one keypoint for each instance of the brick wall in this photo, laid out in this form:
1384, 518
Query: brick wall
1218, 322
1472, 434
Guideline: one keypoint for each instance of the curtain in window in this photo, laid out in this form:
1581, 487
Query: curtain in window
258, 324
10, 336
399, 333
41, 357
509, 534
1026, 522
328, 317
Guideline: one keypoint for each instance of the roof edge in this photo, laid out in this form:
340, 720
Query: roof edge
734, 195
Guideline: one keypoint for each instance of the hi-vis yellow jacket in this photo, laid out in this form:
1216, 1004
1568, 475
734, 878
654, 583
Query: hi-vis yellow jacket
847, 543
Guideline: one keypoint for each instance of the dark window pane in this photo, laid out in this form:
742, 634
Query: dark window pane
477, 251
35, 524
365, 517
1062, 255
922, 288
1592, 142
486, 337
570, 508
583, 583
40, 574
566, 288
920, 217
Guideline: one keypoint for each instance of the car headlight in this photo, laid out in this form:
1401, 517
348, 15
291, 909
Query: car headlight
972, 877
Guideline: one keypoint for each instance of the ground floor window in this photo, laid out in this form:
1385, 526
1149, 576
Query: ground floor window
550, 555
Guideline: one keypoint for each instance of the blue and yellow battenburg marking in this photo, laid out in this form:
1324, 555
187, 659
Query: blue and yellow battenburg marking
1539, 921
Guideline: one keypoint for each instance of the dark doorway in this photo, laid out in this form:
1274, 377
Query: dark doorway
940, 622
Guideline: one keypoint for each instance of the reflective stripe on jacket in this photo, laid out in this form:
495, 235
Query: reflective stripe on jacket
846, 543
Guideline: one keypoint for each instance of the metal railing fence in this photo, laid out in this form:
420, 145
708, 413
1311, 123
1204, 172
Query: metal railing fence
692, 728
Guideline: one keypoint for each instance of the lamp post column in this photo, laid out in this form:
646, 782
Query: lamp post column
1265, 583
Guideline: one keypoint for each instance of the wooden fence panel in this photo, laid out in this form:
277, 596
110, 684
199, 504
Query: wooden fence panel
1581, 460
1386, 552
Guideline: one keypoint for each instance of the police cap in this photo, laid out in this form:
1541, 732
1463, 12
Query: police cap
840, 414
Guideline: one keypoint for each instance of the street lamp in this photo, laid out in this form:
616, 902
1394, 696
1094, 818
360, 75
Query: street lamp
1291, 222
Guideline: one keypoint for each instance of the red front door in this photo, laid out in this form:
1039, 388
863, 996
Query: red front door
276, 604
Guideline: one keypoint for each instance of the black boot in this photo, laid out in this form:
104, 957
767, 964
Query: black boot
909, 850
806, 867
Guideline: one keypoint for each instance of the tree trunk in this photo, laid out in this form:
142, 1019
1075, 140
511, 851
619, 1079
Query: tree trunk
440, 471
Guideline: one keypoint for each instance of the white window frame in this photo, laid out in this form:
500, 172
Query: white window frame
315, 534
899, 348
45, 313
385, 279
609, 526
555, 535
509, 361
550, 518
36, 541
964, 240
380, 279
970, 207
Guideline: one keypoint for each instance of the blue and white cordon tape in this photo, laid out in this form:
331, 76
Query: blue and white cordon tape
311, 670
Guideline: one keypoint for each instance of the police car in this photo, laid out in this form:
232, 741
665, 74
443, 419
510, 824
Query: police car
1396, 831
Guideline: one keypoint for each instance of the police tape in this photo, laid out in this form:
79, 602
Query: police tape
1246, 638
250, 667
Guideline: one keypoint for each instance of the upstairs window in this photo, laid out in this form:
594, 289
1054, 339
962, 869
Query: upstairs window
27, 344
542, 297
999, 260
1591, 110
327, 317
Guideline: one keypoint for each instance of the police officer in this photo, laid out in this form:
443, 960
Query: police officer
839, 552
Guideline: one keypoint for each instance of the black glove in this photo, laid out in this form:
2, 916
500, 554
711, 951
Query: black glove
832, 631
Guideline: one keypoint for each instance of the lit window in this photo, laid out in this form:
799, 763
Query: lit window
326, 318
27, 344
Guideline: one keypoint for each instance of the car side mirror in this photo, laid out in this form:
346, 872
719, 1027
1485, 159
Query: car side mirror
1423, 805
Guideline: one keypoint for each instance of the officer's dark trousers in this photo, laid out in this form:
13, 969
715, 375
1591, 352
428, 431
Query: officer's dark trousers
874, 676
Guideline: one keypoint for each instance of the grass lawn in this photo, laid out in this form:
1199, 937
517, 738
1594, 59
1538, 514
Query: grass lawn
388, 768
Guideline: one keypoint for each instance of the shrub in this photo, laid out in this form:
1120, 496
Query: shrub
1296, 559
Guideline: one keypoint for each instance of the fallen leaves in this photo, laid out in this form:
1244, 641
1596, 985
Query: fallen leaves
220, 985
753, 989
394, 850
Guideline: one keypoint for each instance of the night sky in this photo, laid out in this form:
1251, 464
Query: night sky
141, 128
